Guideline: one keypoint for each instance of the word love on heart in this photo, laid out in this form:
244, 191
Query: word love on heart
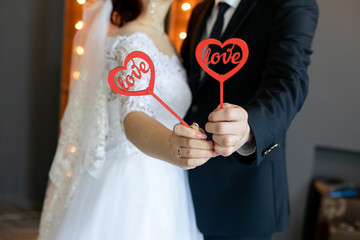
122, 85
238, 59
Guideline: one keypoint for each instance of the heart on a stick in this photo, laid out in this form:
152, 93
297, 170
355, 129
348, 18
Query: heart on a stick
236, 58
205, 57
122, 83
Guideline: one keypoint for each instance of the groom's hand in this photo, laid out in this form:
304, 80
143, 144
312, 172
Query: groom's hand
229, 127
189, 147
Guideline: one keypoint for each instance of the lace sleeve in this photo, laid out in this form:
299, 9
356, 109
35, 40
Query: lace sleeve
130, 104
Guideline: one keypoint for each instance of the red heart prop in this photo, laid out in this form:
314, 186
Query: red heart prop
137, 72
231, 57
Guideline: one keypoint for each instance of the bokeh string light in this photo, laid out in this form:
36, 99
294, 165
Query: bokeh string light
186, 6
182, 35
79, 49
81, 2
76, 75
79, 25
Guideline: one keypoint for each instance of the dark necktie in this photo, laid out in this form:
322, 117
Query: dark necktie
219, 23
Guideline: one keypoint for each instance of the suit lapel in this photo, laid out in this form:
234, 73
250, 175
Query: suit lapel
241, 13
201, 24
199, 29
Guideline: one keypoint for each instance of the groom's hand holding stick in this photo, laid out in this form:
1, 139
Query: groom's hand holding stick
230, 128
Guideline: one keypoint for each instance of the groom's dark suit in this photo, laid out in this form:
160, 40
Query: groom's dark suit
248, 196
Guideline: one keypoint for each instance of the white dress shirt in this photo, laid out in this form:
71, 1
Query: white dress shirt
227, 16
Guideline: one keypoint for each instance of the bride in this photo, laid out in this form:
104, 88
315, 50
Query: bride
118, 171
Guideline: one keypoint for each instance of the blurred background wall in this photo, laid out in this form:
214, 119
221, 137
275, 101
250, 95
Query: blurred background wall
30, 67
323, 140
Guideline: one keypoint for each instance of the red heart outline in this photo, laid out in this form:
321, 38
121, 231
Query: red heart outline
149, 90
210, 41
131, 56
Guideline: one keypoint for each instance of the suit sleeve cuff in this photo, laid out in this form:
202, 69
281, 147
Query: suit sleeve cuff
248, 148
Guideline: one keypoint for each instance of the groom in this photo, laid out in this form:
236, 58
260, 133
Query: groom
242, 194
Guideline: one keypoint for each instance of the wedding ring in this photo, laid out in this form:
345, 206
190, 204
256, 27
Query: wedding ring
179, 151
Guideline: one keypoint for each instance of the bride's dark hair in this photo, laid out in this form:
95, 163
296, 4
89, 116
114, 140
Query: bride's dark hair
125, 10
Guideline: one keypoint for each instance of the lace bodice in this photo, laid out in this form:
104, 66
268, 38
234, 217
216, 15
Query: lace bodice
170, 86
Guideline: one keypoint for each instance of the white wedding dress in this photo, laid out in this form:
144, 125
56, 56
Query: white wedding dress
135, 197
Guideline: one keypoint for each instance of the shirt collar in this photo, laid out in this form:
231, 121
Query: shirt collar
232, 3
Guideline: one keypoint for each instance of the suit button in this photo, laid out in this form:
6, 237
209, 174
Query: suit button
274, 146
194, 108
269, 149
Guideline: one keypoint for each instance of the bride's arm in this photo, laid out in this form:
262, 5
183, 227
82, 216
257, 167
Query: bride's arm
157, 141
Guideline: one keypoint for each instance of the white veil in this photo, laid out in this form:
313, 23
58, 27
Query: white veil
84, 126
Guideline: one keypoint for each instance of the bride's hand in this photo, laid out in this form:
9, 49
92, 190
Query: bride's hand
189, 147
